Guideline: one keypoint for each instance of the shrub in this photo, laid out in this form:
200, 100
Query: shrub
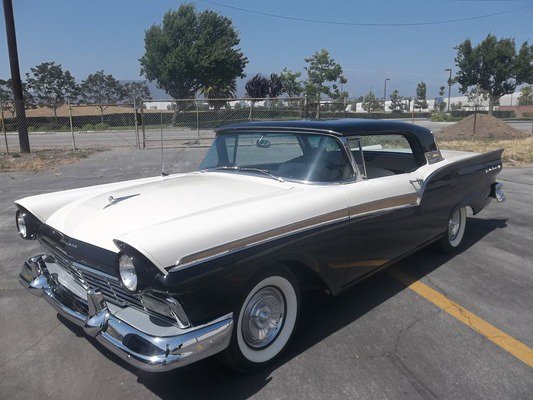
100, 127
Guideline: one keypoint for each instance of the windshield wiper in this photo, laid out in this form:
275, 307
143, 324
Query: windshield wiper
237, 168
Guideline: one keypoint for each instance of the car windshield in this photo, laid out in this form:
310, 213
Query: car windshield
292, 156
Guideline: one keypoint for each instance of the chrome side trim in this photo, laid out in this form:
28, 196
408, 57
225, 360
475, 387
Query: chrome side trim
260, 238
388, 204
143, 351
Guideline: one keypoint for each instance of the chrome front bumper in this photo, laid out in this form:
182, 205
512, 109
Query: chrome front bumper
142, 350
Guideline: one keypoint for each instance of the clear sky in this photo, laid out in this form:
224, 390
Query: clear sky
85, 36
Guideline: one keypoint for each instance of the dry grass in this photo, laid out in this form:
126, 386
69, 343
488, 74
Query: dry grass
41, 160
517, 152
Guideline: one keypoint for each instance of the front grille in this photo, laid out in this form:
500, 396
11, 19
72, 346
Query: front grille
109, 286
91, 278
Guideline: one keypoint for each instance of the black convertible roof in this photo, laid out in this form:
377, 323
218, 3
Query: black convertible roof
342, 127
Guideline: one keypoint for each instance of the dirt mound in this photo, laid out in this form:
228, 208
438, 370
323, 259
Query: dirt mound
486, 126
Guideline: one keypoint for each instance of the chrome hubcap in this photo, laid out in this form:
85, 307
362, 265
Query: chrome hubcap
263, 317
454, 224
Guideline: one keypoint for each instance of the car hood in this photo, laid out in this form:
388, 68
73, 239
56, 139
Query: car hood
170, 218
98, 216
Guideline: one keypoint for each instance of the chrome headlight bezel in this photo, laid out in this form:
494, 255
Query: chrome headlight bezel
27, 225
143, 271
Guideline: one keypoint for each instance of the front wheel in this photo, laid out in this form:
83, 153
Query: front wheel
266, 319
453, 237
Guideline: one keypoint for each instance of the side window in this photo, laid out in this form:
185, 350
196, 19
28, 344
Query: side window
387, 143
331, 163
382, 155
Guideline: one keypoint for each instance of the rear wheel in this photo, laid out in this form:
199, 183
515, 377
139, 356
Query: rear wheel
453, 237
265, 320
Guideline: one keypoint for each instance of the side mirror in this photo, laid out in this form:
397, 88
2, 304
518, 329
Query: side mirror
263, 143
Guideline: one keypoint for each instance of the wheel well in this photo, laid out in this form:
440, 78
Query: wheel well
306, 276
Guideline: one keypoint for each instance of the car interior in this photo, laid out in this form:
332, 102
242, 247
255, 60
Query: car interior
383, 155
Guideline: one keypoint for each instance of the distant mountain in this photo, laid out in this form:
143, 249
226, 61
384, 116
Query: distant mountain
157, 94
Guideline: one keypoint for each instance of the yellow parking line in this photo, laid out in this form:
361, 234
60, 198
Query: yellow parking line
502, 339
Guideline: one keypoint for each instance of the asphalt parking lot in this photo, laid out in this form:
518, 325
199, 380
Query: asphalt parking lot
379, 340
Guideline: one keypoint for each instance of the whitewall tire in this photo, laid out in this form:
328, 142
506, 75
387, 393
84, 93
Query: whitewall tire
265, 320
453, 237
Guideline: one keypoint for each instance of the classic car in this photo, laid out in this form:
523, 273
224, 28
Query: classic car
168, 270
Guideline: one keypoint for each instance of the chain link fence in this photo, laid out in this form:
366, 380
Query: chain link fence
73, 126
157, 124
186, 122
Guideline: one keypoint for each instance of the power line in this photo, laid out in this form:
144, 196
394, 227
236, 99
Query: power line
375, 24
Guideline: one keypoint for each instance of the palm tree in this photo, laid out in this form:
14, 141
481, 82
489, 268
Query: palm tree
218, 94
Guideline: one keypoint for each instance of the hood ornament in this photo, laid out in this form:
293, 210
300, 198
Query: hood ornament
112, 200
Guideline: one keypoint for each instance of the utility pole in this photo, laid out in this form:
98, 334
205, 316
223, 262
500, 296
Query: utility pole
385, 94
24, 140
449, 86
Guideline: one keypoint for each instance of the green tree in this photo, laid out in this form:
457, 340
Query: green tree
192, 50
52, 87
102, 91
456, 106
439, 103
322, 71
339, 96
477, 97
370, 102
136, 92
291, 83
275, 86
7, 98
420, 100
396, 102
526, 96
494, 66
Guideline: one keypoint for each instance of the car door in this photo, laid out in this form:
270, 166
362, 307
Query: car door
385, 218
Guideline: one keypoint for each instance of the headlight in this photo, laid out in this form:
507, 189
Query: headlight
27, 225
21, 225
128, 275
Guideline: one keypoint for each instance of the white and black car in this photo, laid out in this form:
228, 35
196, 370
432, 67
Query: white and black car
168, 270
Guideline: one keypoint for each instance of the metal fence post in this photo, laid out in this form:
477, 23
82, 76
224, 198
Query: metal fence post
142, 125
197, 122
4, 128
71, 127
137, 143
